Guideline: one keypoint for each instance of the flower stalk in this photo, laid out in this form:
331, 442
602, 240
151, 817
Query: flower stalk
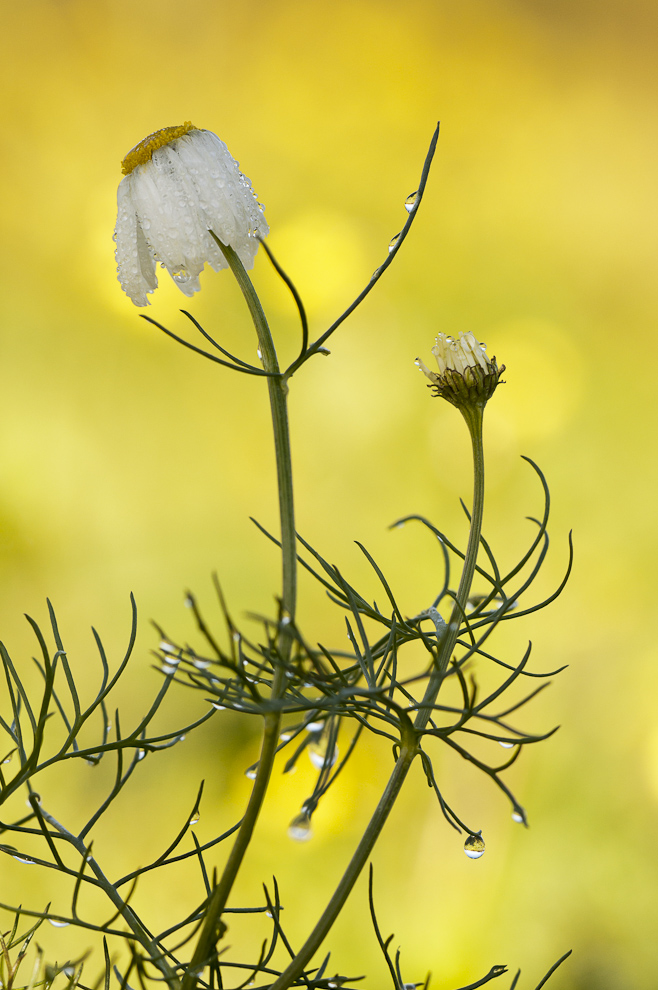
473, 415
212, 928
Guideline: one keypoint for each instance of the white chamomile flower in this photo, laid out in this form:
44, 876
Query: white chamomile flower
179, 183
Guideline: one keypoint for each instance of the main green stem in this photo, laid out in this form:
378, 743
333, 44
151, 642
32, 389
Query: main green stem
409, 746
211, 930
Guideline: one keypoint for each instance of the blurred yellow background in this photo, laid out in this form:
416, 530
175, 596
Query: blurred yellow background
129, 464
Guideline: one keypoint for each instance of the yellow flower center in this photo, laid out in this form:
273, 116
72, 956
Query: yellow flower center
143, 151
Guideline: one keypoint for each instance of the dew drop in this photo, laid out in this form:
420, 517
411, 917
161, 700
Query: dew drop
250, 773
7, 759
377, 272
411, 201
505, 744
300, 828
314, 726
59, 924
474, 846
394, 242
218, 707
189, 601
141, 753
201, 664
181, 277
518, 816
194, 820
318, 755
285, 737
167, 669
24, 859
167, 647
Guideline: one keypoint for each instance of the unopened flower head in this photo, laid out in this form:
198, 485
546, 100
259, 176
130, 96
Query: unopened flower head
467, 376
179, 183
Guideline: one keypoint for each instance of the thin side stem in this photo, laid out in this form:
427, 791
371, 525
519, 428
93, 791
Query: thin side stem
155, 953
212, 927
409, 747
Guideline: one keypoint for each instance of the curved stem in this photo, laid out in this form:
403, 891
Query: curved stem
212, 927
473, 417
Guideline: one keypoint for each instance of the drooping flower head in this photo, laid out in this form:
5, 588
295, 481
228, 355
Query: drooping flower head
467, 376
179, 183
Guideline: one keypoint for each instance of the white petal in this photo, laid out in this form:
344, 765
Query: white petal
135, 264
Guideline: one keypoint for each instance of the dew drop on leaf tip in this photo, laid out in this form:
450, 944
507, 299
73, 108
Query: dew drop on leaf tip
300, 828
474, 846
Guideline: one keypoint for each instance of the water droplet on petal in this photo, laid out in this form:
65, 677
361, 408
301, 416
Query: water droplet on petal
59, 924
474, 846
181, 277
410, 201
300, 828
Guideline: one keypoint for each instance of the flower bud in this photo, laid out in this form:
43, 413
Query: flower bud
467, 376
